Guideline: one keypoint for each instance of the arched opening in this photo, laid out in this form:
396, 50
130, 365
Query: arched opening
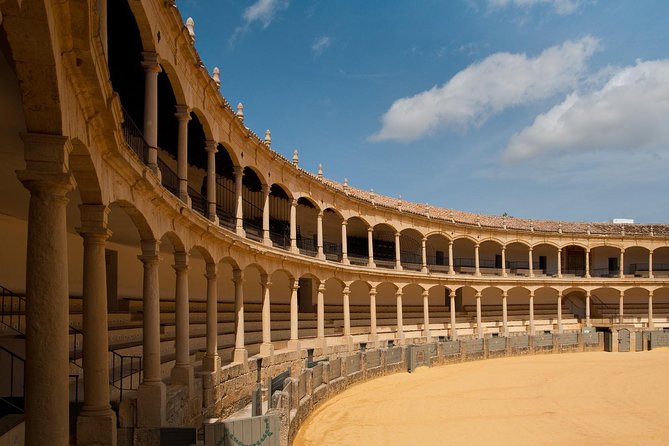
437, 253
197, 158
605, 261
306, 230
573, 261
332, 248
253, 203
463, 255
307, 303
413, 317
386, 311
279, 216
605, 305
545, 259
252, 292
225, 188
334, 304
280, 291
491, 311
661, 262
225, 288
356, 241
411, 250
518, 310
383, 242
490, 257
517, 259
636, 261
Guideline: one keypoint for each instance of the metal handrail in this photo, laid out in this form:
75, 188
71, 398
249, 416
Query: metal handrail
168, 178
128, 366
134, 138
12, 312
12, 358
78, 334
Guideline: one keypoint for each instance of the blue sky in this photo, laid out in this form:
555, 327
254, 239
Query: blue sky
553, 109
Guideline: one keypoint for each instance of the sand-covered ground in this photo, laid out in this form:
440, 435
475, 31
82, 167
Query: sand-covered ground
589, 399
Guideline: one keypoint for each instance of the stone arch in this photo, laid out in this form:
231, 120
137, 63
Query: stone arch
85, 173
437, 250
490, 256
356, 240
175, 240
139, 220
411, 252
177, 85
332, 241
204, 252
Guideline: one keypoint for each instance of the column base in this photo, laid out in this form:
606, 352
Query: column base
266, 349
398, 267
214, 219
424, 269
294, 249
240, 355
348, 342
211, 363
345, 261
371, 265
294, 344
267, 242
240, 231
184, 375
320, 256
96, 428
183, 196
151, 402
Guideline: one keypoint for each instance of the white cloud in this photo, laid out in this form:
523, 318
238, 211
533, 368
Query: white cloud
263, 11
630, 111
321, 44
561, 7
499, 81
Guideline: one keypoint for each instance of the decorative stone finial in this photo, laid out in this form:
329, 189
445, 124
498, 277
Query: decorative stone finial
216, 76
345, 185
372, 196
399, 203
504, 221
651, 231
296, 158
190, 25
268, 137
427, 210
478, 221
623, 230
240, 111
452, 217
588, 229
320, 171
531, 227
560, 228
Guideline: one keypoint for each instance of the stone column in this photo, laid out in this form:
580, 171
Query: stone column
182, 373
320, 316
372, 314
423, 252
240, 354
398, 255
505, 319
622, 263
293, 226
426, 315
532, 331
47, 294
531, 262
265, 216
587, 263
559, 262
211, 362
451, 269
344, 244
504, 274
266, 348
650, 264
151, 396
96, 423
587, 308
651, 323
319, 236
210, 147
400, 321
151, 65
454, 330
183, 116
479, 324
239, 208
559, 312
370, 247
477, 271
348, 339
621, 307
294, 343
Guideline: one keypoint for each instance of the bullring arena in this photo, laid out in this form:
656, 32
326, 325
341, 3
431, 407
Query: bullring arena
168, 278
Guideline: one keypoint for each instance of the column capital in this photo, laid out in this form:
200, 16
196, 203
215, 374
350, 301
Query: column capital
265, 189
295, 285
210, 271
47, 165
399, 293
346, 290
451, 293
650, 293
182, 113
372, 291
344, 222
425, 293
320, 214
424, 240
450, 243
94, 220
238, 171
237, 276
370, 229
151, 61
530, 249
398, 234
531, 293
504, 295
210, 146
503, 247
321, 288
149, 259
478, 295
622, 250
180, 261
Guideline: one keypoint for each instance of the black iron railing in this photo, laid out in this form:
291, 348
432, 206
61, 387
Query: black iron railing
134, 137
198, 200
168, 178
14, 390
13, 310
77, 351
307, 246
126, 372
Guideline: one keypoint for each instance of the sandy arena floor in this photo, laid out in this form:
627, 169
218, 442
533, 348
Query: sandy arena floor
567, 399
